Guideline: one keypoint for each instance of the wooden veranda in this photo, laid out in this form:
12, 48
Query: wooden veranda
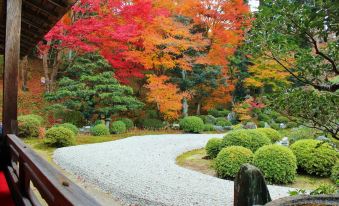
23, 23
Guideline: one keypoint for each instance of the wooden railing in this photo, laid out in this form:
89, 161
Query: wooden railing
26, 168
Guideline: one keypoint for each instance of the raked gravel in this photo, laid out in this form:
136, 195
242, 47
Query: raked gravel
141, 170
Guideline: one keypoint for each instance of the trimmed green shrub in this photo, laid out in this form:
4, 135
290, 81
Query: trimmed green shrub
261, 124
230, 159
118, 127
213, 147
275, 126
70, 126
223, 122
100, 130
315, 157
238, 126
152, 124
218, 113
264, 117
128, 122
98, 121
209, 127
278, 163
37, 117
291, 125
192, 124
59, 137
282, 119
208, 119
335, 172
250, 139
28, 126
274, 135
301, 133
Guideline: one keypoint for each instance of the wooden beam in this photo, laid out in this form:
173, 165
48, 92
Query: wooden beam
12, 56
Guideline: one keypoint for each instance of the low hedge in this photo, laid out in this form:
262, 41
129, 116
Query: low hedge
315, 157
230, 159
273, 134
59, 137
99, 130
28, 126
118, 127
213, 147
192, 124
249, 138
70, 126
278, 163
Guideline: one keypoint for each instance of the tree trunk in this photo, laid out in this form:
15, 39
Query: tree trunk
24, 73
199, 108
184, 100
46, 70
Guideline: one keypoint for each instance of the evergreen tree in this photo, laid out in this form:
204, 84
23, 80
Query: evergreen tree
89, 86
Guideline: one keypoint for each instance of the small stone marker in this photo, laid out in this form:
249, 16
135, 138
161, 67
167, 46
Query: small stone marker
250, 187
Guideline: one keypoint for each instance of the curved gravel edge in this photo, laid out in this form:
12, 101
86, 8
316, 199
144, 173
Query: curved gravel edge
142, 170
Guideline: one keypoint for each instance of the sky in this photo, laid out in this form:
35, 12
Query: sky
254, 4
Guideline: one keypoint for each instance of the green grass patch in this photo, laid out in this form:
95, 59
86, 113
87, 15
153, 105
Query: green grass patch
196, 160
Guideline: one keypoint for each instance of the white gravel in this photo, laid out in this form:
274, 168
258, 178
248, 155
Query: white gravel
141, 170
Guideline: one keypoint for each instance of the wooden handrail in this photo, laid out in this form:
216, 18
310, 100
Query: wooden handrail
27, 168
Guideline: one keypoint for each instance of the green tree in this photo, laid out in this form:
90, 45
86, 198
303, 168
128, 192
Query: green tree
89, 86
302, 37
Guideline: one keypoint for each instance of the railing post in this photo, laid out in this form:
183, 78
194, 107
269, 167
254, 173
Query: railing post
12, 56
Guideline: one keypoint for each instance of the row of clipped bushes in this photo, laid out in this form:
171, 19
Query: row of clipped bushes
279, 164
196, 124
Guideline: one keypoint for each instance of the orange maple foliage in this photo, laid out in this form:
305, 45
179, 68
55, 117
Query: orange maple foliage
167, 96
219, 96
266, 72
165, 41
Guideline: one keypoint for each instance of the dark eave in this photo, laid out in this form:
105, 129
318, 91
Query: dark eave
38, 17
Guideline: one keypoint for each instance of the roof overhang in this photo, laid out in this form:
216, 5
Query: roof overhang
38, 17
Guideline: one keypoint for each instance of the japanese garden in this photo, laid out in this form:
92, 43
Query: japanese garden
161, 103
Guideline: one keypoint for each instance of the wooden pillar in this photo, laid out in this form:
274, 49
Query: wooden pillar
12, 57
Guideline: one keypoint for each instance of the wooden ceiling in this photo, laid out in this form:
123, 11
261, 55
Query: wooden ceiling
38, 17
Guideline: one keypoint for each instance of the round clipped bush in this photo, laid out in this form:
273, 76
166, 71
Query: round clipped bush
273, 134
315, 157
28, 126
275, 126
250, 139
118, 127
213, 147
230, 159
70, 126
37, 117
278, 163
192, 124
59, 137
223, 122
335, 172
209, 127
100, 130
128, 122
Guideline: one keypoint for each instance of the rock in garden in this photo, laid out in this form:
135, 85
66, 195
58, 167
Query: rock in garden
231, 117
218, 128
250, 187
322, 138
282, 126
250, 125
267, 125
175, 126
284, 142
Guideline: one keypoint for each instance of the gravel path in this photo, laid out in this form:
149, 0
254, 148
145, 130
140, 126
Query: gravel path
141, 170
